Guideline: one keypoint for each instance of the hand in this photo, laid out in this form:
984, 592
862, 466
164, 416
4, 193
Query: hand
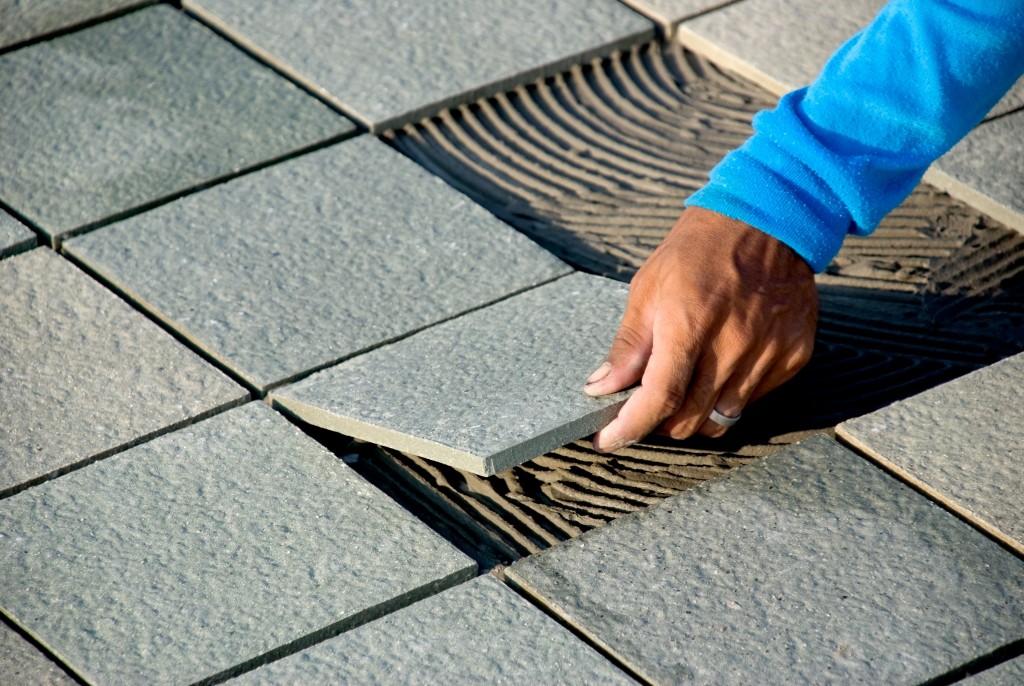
720, 314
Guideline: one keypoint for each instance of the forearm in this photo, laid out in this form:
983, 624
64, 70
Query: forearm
836, 157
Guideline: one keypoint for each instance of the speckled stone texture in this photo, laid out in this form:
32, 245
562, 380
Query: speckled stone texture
477, 633
203, 549
394, 61
22, 20
484, 392
136, 109
313, 260
783, 44
810, 566
14, 236
82, 374
1009, 673
670, 12
21, 663
962, 442
990, 161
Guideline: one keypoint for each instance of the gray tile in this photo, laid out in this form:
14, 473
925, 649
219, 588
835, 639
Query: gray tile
962, 442
483, 392
399, 60
21, 663
986, 169
307, 262
1009, 673
136, 109
809, 566
21, 21
203, 549
670, 12
83, 374
14, 236
1014, 100
781, 44
476, 633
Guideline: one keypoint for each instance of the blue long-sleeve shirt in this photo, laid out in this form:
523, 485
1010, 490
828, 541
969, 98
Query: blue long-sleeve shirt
834, 158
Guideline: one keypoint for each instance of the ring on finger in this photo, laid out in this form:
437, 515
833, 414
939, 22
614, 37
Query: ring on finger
722, 419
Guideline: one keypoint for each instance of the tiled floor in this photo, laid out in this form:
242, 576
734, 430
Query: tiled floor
213, 218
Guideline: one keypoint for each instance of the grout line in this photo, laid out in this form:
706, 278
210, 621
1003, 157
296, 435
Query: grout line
166, 324
980, 664
354, 621
59, 237
7, 620
1007, 543
117, 450
667, 26
80, 26
579, 632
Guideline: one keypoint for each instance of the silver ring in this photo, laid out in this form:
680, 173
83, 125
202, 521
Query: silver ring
723, 420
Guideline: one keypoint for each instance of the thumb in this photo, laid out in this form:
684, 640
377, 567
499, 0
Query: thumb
627, 358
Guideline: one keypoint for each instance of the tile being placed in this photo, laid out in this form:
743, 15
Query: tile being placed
22, 21
477, 633
83, 374
307, 262
961, 442
811, 566
986, 169
207, 548
137, 109
14, 236
21, 663
1010, 673
395, 61
484, 392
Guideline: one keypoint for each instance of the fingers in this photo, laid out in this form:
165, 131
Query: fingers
662, 391
628, 356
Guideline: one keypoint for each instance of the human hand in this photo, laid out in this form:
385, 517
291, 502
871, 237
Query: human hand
720, 314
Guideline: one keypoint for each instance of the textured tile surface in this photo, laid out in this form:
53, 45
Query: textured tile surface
810, 566
310, 261
135, 109
990, 160
21, 21
483, 392
14, 236
1007, 674
669, 12
83, 374
477, 633
962, 441
787, 41
398, 60
202, 549
21, 663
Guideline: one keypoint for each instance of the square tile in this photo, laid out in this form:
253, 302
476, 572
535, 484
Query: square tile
484, 392
207, 548
22, 663
389, 62
22, 21
15, 237
477, 633
809, 566
986, 169
83, 374
311, 261
962, 442
131, 111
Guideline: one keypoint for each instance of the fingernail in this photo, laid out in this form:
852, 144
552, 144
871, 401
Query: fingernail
599, 373
611, 447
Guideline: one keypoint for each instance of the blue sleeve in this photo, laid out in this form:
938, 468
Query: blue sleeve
837, 156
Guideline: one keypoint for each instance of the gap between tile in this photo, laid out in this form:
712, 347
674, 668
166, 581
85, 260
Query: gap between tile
92, 21
29, 638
